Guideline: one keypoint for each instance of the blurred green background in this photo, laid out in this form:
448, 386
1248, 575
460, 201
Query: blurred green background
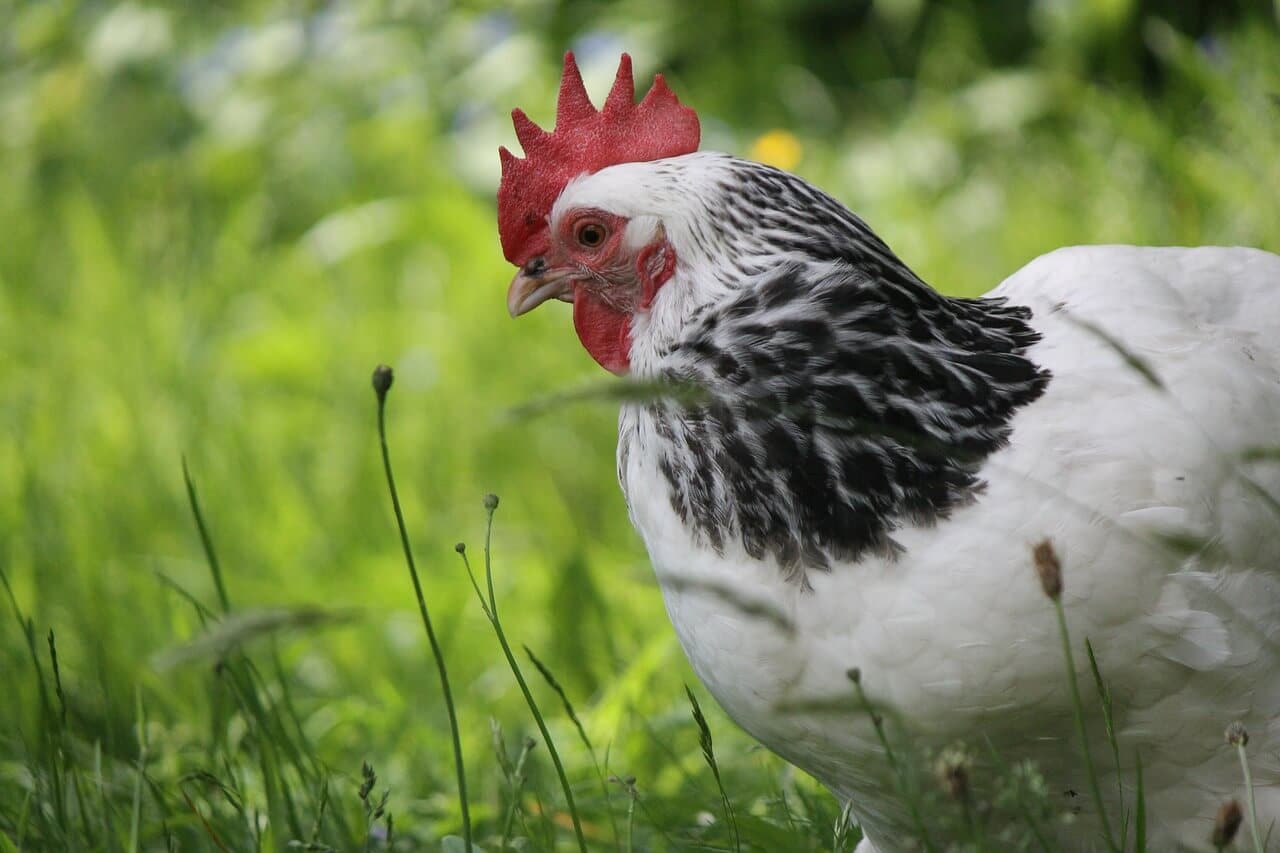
217, 217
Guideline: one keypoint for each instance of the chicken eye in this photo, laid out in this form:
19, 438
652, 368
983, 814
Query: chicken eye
591, 234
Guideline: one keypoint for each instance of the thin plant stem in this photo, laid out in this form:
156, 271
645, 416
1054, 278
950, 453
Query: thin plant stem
206, 541
554, 684
490, 608
631, 825
382, 379
1078, 707
1251, 813
709, 753
517, 790
49, 748
1139, 809
135, 820
1108, 723
899, 773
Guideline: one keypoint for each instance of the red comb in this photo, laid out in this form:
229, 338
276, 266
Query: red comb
584, 140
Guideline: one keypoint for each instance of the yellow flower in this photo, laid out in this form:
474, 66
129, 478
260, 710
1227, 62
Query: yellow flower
777, 148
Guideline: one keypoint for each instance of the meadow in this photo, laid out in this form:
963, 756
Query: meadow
215, 222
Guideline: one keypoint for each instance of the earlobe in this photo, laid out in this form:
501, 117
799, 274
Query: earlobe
654, 266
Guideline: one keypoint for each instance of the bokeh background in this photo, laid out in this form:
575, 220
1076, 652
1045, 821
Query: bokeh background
217, 217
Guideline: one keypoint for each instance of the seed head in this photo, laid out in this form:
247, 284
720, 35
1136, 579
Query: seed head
854, 674
383, 376
461, 547
952, 770
370, 779
628, 783
1237, 735
1227, 823
1048, 568
491, 502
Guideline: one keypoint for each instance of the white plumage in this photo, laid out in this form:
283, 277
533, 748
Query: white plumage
956, 635
865, 467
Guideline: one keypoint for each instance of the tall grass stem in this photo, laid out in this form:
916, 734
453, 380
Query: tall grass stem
490, 608
709, 753
1108, 722
1139, 808
1077, 707
382, 380
1251, 813
549, 677
135, 820
899, 772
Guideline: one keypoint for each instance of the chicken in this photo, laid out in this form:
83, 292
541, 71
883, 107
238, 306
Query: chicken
864, 466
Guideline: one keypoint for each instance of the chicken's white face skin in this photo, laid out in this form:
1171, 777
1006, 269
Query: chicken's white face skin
662, 198
925, 584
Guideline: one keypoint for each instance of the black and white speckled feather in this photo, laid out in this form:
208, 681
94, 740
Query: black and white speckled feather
917, 446
836, 412
846, 397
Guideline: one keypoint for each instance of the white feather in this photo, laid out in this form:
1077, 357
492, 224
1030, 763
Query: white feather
956, 637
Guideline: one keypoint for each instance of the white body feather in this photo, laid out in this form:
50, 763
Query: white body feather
956, 637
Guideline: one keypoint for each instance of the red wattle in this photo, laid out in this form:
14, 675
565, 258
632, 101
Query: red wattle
605, 332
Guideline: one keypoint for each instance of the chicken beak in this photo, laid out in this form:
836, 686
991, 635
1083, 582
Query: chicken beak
528, 291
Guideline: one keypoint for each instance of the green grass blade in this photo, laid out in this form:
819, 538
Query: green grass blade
206, 541
491, 611
709, 753
1139, 808
1081, 730
549, 677
135, 820
1108, 722
235, 631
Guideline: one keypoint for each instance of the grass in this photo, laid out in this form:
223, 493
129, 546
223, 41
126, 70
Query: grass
903, 779
1050, 572
382, 381
489, 605
1238, 739
205, 248
225, 641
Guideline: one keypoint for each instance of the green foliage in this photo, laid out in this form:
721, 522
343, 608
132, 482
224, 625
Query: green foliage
216, 218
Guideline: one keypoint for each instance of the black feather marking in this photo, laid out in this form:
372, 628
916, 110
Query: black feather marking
847, 398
